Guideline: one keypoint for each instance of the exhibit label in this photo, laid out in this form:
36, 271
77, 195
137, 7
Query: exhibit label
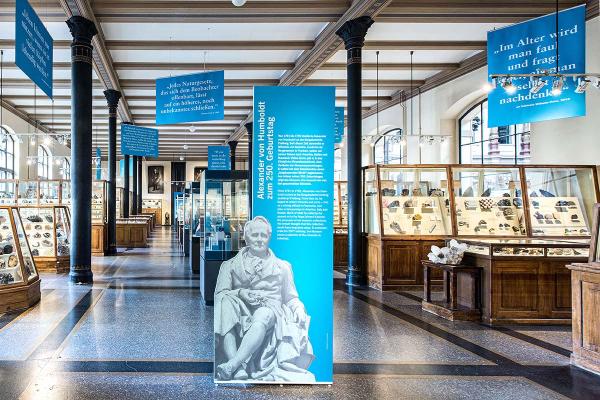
33, 47
339, 124
219, 158
139, 141
530, 47
293, 183
190, 98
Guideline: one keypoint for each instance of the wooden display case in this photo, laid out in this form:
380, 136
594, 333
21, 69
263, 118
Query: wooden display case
132, 233
153, 206
19, 280
409, 208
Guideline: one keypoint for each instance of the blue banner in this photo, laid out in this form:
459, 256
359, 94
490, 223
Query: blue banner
139, 141
219, 158
33, 47
339, 124
190, 98
293, 146
98, 163
530, 47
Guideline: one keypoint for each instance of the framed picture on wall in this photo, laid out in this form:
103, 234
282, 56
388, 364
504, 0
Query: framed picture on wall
156, 179
198, 173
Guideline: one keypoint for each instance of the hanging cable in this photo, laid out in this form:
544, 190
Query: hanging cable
557, 65
377, 91
412, 132
2, 89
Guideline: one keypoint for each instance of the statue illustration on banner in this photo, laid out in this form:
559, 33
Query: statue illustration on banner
261, 325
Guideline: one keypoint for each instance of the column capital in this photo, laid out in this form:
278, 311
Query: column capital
248, 127
82, 29
233, 144
353, 32
112, 97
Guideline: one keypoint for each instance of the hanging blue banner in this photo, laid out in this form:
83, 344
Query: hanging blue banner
292, 235
139, 141
190, 98
339, 124
219, 158
530, 47
98, 165
33, 47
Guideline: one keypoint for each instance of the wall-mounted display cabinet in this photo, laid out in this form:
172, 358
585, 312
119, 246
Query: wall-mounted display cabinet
19, 280
99, 202
34, 192
153, 206
48, 231
408, 208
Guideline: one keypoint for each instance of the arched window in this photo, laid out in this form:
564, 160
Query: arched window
479, 144
65, 169
43, 163
390, 148
7, 155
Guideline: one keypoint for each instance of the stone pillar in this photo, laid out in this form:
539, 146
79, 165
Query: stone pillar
353, 33
139, 182
232, 146
83, 30
249, 130
126, 186
112, 98
134, 198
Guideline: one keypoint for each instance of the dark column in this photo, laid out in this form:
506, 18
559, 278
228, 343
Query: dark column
232, 146
126, 187
353, 33
139, 181
81, 149
134, 175
249, 130
112, 98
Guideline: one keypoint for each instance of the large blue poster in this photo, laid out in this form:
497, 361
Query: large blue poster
33, 47
530, 47
339, 124
139, 141
292, 191
190, 98
219, 158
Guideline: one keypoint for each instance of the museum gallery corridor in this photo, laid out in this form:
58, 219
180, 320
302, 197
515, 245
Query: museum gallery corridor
141, 332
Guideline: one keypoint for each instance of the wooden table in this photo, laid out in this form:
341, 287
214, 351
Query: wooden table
462, 292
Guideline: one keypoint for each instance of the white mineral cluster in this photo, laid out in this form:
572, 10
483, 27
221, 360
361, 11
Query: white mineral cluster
453, 254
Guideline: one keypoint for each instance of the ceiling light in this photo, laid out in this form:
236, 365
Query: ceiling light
537, 84
489, 86
181, 158
557, 87
57, 161
238, 3
582, 85
508, 86
47, 141
185, 147
32, 141
29, 161
192, 128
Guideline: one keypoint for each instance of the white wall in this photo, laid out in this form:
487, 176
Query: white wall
166, 196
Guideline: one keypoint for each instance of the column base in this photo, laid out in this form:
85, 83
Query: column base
354, 279
112, 250
81, 275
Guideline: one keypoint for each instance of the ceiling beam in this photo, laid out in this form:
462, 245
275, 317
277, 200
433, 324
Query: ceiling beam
8, 106
102, 60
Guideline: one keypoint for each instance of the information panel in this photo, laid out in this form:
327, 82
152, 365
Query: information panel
33, 47
139, 141
339, 124
190, 98
219, 158
286, 284
530, 47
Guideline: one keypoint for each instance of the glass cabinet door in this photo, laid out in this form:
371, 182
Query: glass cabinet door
28, 262
371, 216
7, 192
561, 200
63, 232
98, 201
415, 201
39, 228
49, 192
10, 268
489, 201
27, 193
65, 192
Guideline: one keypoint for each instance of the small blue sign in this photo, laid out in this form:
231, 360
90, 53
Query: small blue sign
190, 98
219, 158
292, 187
530, 48
98, 163
139, 141
33, 47
339, 124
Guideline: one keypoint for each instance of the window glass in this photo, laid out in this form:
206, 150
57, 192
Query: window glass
390, 148
7, 155
43, 163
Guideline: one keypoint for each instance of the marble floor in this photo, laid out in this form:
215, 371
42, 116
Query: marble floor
141, 332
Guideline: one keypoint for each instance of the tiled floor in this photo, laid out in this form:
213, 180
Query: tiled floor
141, 332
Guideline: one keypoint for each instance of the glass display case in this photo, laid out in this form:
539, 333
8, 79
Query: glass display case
527, 248
340, 207
27, 193
48, 232
34, 192
179, 199
65, 192
8, 192
19, 280
49, 192
151, 203
98, 201
561, 200
489, 201
119, 202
